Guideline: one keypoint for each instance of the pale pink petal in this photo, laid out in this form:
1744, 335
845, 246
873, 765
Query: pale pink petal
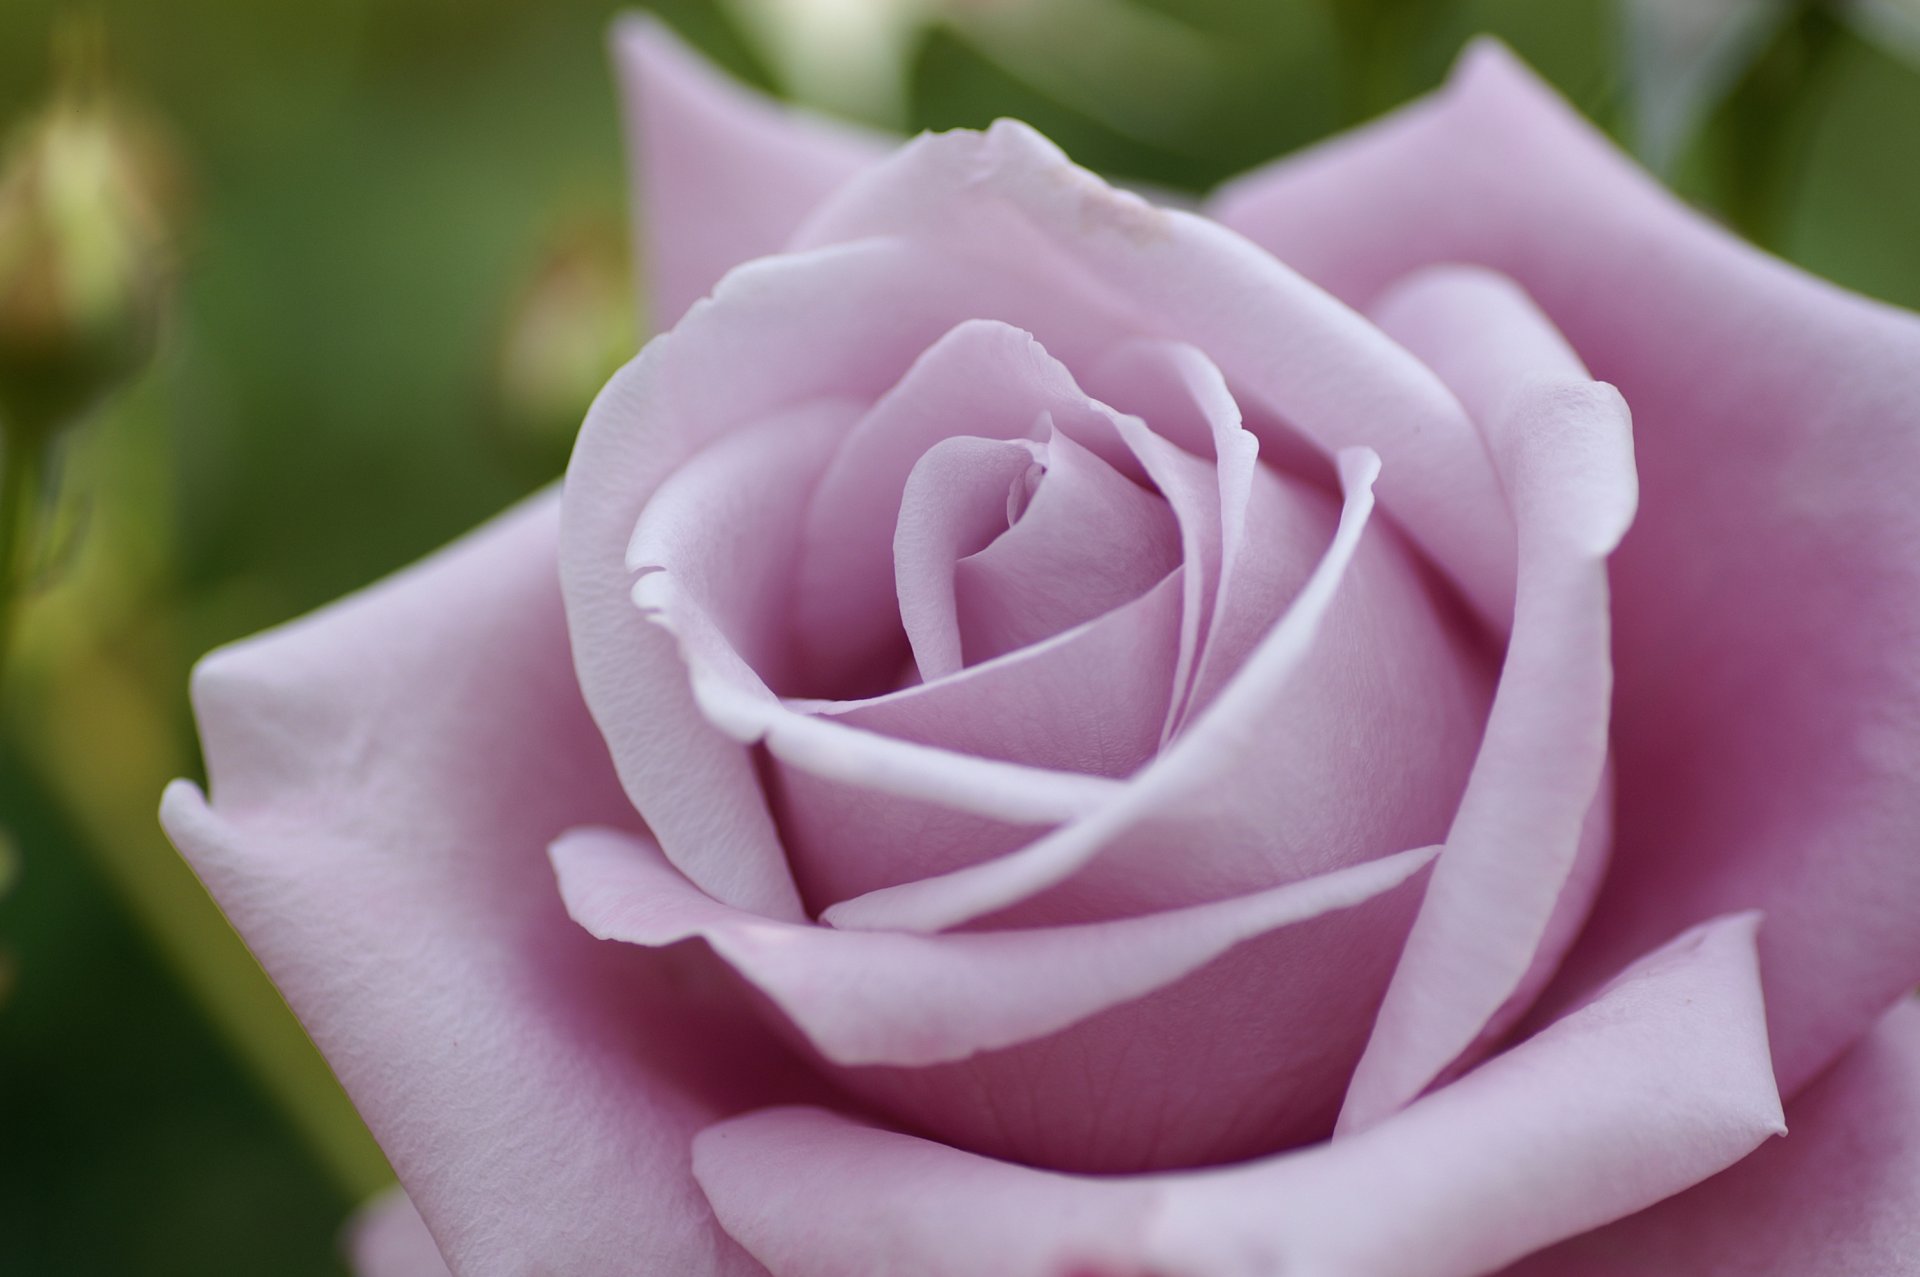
1089, 540
1838, 1197
387, 1238
688, 511
1270, 536
955, 501
721, 174
725, 527
814, 1194
697, 788
1360, 697
735, 702
1007, 202
715, 554
1168, 1039
1767, 712
880, 997
1185, 401
1394, 686
1092, 700
1192, 488
1563, 445
984, 379
385, 777
1659, 1083
935, 903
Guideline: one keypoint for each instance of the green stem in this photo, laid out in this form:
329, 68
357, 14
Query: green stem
20, 473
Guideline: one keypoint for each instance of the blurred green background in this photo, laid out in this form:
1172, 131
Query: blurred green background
395, 240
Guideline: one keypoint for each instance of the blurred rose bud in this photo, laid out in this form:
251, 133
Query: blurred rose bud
571, 328
82, 249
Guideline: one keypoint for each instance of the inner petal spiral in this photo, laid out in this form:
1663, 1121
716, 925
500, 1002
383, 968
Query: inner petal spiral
1027, 540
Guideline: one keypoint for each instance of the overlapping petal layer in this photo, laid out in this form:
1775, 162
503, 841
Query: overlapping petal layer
1038, 228
1089, 701
878, 997
1767, 602
696, 784
1766, 706
385, 775
1196, 823
1660, 1082
1839, 1196
1535, 803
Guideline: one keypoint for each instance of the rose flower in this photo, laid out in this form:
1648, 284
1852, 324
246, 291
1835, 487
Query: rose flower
1368, 733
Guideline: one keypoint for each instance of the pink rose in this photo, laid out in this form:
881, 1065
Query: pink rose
1049, 736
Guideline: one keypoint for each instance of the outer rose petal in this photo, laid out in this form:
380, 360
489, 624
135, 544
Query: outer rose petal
886, 997
1839, 1197
1172, 1039
386, 774
720, 173
1660, 1082
1767, 603
1563, 445
387, 1238
1011, 205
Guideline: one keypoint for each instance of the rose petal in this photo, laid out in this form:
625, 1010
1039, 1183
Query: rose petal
1009, 203
815, 1194
955, 501
1205, 820
932, 904
1767, 714
1193, 489
387, 1238
1563, 444
696, 788
1088, 541
1173, 1039
1092, 700
385, 775
984, 379
1660, 1082
1840, 1196
721, 174
725, 528
879, 997
1183, 396
736, 702
1019, 378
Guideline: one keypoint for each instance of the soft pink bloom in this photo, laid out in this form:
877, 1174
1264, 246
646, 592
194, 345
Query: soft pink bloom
1370, 732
